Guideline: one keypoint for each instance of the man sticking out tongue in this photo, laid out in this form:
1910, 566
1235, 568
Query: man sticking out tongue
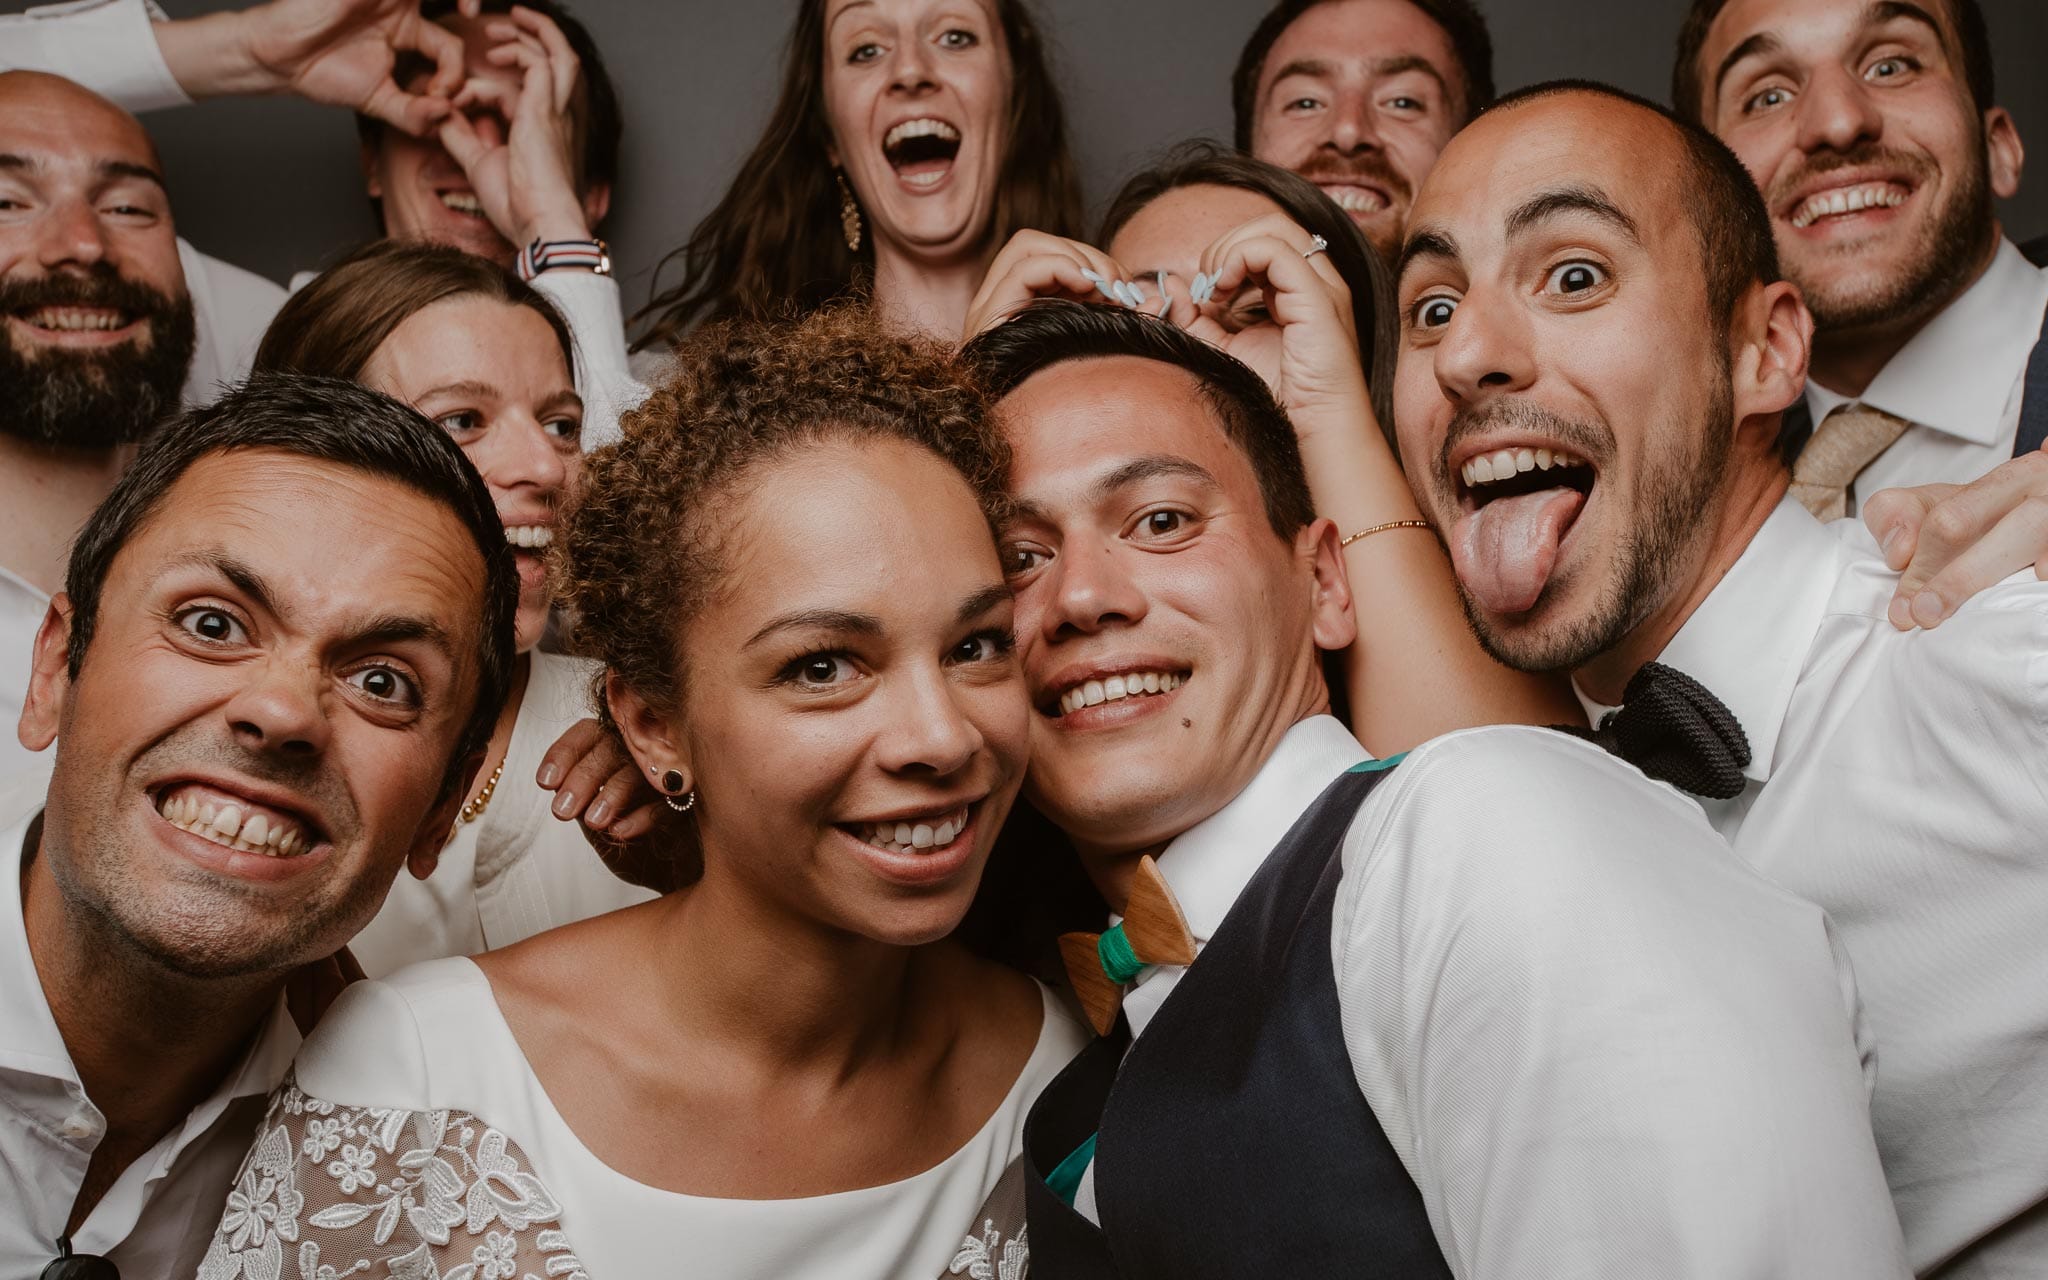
1597, 346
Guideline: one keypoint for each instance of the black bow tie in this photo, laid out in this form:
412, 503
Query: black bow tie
1674, 730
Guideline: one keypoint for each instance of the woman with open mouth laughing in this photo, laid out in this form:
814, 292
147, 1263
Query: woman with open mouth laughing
786, 1069
911, 139
487, 358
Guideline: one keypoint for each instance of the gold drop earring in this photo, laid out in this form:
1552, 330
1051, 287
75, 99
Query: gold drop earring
849, 212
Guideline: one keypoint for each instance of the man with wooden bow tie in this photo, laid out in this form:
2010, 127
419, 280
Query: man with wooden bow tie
1498, 1007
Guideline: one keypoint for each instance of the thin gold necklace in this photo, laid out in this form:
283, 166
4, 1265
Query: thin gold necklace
475, 808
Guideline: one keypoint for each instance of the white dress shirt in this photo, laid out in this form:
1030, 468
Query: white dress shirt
1900, 781
1959, 381
516, 870
1601, 1046
22, 607
156, 1219
107, 46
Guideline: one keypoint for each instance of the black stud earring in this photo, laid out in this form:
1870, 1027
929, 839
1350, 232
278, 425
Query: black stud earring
671, 782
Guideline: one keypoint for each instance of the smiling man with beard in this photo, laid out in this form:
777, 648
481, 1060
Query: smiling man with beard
98, 334
251, 738
1875, 136
1497, 1008
1360, 96
1597, 349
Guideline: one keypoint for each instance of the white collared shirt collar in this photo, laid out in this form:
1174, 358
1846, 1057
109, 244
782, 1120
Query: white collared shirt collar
1748, 640
1990, 331
1208, 865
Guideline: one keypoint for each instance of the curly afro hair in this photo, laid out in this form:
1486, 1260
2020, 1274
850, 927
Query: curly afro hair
641, 550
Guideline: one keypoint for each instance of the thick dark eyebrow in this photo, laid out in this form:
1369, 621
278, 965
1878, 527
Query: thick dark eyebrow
1558, 201
981, 602
1761, 43
1150, 468
1426, 242
1875, 16
860, 624
1394, 66
106, 168
389, 628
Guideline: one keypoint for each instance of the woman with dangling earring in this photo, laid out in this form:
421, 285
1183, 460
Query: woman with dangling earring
910, 140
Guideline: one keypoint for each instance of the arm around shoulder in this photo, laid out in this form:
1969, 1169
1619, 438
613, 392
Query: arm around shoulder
1602, 1045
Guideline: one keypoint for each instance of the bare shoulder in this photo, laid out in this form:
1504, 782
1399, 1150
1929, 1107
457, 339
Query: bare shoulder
559, 972
995, 1013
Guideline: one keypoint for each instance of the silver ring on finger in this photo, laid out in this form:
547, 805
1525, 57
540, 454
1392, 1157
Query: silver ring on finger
1316, 244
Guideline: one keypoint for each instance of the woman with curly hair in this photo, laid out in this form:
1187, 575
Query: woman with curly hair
910, 140
784, 1069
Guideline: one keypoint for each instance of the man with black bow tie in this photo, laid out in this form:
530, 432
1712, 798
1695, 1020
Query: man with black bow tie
1597, 348
1497, 1008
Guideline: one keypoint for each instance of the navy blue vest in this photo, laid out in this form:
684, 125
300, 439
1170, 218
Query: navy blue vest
1232, 1139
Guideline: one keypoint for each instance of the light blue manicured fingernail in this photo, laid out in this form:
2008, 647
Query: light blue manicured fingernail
1101, 283
1165, 303
1138, 298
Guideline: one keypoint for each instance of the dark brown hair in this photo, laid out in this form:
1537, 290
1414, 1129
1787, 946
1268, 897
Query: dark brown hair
774, 241
332, 327
1052, 331
1204, 163
640, 551
1461, 20
1689, 78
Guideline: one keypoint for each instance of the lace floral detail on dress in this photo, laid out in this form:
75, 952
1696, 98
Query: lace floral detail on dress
386, 1194
989, 1256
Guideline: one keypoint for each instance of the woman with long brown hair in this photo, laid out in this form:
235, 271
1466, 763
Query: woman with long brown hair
910, 140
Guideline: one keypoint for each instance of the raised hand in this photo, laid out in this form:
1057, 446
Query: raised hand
1037, 265
526, 180
338, 52
1950, 541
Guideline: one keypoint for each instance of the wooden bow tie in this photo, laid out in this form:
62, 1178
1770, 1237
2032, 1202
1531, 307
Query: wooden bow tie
1153, 931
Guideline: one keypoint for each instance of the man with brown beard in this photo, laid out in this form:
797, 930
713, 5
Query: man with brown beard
1359, 96
1874, 133
98, 336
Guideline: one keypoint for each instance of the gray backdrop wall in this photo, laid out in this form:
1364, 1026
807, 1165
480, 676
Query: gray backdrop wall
272, 184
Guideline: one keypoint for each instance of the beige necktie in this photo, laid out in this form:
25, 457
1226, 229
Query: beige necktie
1846, 441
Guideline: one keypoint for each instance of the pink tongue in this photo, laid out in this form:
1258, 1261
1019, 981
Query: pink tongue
1505, 551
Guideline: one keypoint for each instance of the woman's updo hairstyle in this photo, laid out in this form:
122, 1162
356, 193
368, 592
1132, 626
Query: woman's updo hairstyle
643, 547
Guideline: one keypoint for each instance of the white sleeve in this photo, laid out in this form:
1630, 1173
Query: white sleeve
1602, 1045
589, 304
105, 45
231, 307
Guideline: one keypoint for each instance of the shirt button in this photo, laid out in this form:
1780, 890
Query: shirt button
82, 1125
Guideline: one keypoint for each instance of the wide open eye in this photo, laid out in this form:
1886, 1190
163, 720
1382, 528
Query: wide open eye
1570, 278
1434, 312
386, 684
215, 626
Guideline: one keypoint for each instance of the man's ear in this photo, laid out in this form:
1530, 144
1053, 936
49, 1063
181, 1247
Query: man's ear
597, 202
2004, 154
49, 681
1772, 340
439, 824
651, 736
1334, 624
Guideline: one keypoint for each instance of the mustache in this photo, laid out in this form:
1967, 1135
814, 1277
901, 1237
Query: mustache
1365, 169
1864, 155
100, 285
1592, 441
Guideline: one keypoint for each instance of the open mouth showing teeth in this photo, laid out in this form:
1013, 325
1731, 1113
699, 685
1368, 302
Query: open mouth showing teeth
1131, 684
922, 151
76, 319
529, 537
1356, 199
463, 202
1520, 505
915, 837
1847, 200
244, 827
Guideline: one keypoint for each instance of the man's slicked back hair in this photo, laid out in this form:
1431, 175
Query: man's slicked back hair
1689, 83
1737, 248
326, 420
1053, 331
1461, 21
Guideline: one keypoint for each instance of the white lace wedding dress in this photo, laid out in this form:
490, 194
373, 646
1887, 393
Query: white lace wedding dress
414, 1143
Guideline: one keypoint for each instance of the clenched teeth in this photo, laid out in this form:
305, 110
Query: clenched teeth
1868, 195
1355, 199
925, 128
463, 202
914, 837
1116, 688
1502, 464
233, 826
75, 319
530, 537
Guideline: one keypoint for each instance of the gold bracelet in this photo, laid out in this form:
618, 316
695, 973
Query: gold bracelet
1382, 528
